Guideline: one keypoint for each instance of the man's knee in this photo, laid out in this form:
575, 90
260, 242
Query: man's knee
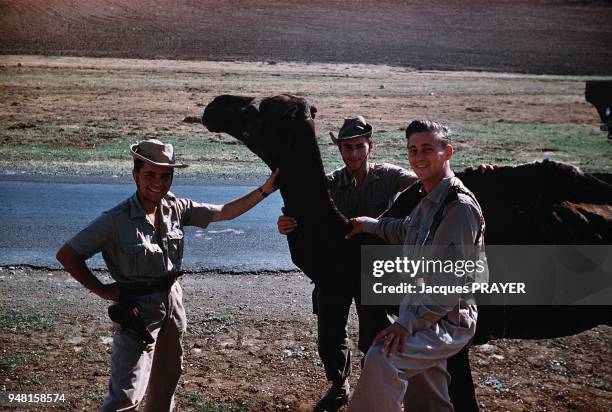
375, 359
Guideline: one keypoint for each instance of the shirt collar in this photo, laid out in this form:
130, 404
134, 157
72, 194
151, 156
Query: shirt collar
346, 180
136, 209
167, 200
439, 192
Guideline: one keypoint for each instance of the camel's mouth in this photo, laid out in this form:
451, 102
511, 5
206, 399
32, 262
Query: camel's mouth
206, 121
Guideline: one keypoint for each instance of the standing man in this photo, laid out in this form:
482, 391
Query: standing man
141, 240
359, 188
411, 353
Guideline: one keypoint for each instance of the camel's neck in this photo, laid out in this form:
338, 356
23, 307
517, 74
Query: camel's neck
305, 188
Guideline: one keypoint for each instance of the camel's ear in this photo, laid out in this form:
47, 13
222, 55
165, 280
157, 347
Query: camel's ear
290, 113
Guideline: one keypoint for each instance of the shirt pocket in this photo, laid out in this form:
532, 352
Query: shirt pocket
409, 238
175, 247
130, 255
143, 260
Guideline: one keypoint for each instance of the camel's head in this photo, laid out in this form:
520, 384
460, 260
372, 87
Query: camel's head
265, 127
229, 114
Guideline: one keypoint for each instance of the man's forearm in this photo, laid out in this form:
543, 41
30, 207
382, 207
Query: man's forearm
389, 229
76, 266
238, 206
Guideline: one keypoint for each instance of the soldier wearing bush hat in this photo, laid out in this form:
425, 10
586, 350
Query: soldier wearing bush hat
359, 187
354, 127
141, 240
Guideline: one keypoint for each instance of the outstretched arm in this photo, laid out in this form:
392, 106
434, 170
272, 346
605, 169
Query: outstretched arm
238, 206
389, 229
75, 265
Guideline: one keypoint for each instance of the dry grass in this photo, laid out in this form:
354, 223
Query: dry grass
60, 114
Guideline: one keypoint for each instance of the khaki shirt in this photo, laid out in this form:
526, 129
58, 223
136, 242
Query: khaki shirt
462, 227
380, 186
132, 249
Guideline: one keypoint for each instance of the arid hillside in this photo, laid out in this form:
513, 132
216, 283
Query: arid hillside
542, 36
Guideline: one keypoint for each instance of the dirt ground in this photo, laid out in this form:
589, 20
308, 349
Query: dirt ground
251, 345
543, 36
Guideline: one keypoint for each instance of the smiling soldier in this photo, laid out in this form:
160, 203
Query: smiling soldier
359, 188
409, 357
141, 240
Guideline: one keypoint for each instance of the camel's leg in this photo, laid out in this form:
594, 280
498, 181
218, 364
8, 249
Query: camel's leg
461, 387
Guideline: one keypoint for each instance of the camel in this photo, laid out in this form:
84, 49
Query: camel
535, 204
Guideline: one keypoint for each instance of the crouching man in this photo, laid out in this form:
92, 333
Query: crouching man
141, 240
407, 360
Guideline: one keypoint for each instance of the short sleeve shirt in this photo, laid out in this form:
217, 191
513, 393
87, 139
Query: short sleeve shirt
380, 186
133, 250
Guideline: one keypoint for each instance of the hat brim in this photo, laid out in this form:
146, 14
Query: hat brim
141, 157
366, 133
333, 138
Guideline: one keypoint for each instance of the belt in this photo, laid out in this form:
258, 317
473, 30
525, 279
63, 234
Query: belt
134, 289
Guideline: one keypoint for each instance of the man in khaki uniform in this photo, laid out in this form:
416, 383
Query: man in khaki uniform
360, 188
409, 357
141, 240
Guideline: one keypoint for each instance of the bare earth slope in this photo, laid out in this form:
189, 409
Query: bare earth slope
542, 36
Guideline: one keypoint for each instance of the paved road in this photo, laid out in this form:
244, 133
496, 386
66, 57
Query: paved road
36, 217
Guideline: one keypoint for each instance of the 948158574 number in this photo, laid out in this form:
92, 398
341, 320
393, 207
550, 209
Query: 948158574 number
26, 397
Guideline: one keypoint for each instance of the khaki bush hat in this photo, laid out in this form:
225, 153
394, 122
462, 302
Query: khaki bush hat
155, 152
354, 127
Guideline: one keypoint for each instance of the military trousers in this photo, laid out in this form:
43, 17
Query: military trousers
138, 368
417, 376
332, 306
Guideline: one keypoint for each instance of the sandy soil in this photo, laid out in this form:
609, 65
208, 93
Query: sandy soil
543, 36
151, 91
251, 345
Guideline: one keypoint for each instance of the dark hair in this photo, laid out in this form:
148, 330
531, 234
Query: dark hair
421, 125
138, 164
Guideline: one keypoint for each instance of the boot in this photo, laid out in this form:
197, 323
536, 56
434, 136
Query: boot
336, 396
